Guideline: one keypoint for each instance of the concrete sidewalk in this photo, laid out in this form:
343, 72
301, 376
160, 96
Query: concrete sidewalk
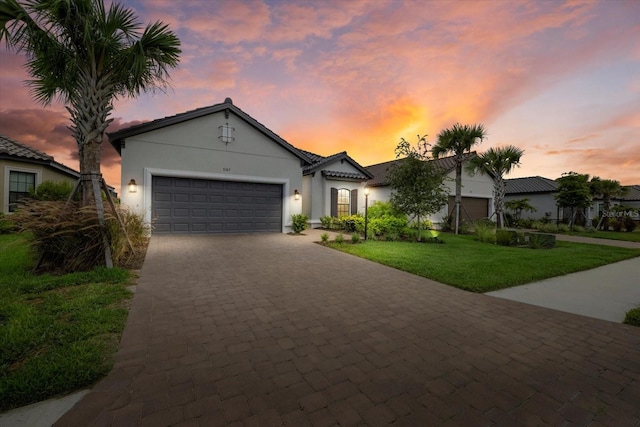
606, 292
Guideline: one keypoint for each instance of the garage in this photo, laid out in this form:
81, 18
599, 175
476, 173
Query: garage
471, 209
200, 206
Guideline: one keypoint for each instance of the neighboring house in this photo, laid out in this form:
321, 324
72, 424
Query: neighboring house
23, 168
541, 193
477, 189
218, 170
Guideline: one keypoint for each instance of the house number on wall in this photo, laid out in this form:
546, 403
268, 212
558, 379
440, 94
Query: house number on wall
226, 169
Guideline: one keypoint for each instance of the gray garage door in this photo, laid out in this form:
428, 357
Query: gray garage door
185, 205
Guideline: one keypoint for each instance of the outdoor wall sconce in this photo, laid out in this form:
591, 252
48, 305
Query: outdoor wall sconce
226, 133
133, 187
296, 194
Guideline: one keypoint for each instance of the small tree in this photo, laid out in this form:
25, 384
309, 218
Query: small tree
607, 189
417, 186
519, 206
497, 162
458, 140
574, 193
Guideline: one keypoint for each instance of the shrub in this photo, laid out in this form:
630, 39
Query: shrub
387, 224
633, 317
561, 228
299, 223
578, 228
485, 231
616, 224
525, 223
69, 238
629, 223
541, 241
425, 224
6, 224
355, 238
353, 223
52, 191
326, 221
381, 209
324, 237
137, 231
506, 237
446, 224
339, 238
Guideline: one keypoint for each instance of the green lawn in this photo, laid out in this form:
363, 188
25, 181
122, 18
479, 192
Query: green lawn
634, 236
482, 267
57, 333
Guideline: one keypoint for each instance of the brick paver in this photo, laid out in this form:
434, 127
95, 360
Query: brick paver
275, 330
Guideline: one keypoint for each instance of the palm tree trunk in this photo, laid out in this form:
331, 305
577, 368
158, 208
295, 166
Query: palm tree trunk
458, 192
499, 201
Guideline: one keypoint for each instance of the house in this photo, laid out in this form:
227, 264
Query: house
216, 169
541, 193
477, 189
23, 168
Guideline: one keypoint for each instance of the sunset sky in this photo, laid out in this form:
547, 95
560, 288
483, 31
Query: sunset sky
560, 80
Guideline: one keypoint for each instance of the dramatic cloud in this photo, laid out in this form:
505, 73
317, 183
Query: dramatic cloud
558, 79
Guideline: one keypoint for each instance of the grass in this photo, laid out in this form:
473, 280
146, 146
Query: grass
57, 333
481, 267
633, 236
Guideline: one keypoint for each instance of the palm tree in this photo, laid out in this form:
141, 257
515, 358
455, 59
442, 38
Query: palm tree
497, 162
86, 56
458, 140
607, 189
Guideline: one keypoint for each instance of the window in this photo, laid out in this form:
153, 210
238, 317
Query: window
20, 183
226, 133
344, 202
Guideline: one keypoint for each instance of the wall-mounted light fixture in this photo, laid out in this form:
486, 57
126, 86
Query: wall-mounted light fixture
296, 194
226, 133
133, 187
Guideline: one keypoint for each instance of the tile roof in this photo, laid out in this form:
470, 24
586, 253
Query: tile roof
12, 149
379, 171
319, 161
16, 149
633, 195
345, 175
531, 184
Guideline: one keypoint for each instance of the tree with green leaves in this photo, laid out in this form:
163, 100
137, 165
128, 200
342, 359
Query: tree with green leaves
496, 162
574, 193
518, 206
607, 189
87, 56
458, 140
417, 185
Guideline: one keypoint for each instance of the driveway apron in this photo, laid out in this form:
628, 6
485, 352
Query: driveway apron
276, 330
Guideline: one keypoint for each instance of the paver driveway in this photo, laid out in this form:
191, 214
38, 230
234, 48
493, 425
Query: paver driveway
273, 329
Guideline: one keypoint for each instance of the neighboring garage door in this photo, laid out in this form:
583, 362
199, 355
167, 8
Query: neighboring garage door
186, 205
472, 209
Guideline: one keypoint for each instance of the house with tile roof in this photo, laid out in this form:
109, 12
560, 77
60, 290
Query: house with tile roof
541, 193
23, 168
217, 169
477, 189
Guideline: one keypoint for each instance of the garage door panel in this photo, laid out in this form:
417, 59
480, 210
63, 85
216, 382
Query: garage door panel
472, 208
184, 205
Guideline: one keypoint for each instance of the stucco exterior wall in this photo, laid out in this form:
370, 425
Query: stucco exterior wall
543, 202
477, 185
192, 149
43, 173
